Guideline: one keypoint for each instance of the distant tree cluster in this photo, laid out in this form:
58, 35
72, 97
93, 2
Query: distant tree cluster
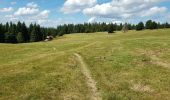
92, 27
110, 28
151, 25
20, 33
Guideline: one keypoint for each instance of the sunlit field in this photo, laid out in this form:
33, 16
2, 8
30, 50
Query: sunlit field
125, 66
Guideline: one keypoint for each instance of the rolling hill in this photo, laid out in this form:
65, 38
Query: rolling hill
118, 66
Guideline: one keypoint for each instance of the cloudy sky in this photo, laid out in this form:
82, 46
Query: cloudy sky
51, 13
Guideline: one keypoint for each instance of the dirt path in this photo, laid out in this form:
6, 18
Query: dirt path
95, 95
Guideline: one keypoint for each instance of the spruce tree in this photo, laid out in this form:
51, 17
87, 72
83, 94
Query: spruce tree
24, 30
30, 28
33, 36
167, 25
20, 38
10, 38
154, 25
140, 26
19, 27
148, 24
111, 28
2, 35
7, 27
39, 33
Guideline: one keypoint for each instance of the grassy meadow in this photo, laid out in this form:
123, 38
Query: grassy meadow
126, 66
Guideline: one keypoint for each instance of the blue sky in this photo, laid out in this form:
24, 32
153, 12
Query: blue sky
51, 13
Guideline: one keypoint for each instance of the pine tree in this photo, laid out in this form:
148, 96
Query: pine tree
111, 28
19, 27
7, 27
2, 35
39, 33
61, 31
30, 28
140, 26
33, 36
154, 25
159, 25
24, 30
119, 28
148, 24
20, 38
10, 38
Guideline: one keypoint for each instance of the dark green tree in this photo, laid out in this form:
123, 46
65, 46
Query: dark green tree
34, 35
30, 28
24, 30
154, 25
39, 33
148, 24
12, 29
7, 27
2, 35
19, 27
111, 28
140, 26
10, 38
20, 38
166, 25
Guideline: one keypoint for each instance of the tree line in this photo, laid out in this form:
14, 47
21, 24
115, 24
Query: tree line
151, 25
110, 28
20, 33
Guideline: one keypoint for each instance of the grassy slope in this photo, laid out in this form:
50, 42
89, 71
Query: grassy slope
122, 64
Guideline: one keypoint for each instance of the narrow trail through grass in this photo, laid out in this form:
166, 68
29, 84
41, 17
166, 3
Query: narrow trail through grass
95, 95
91, 66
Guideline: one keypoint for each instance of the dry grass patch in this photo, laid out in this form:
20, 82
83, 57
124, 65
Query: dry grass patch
141, 88
154, 57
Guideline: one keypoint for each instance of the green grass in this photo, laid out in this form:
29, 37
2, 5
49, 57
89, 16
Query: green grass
120, 63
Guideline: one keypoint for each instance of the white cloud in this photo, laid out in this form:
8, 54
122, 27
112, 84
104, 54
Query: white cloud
168, 16
92, 20
32, 5
117, 21
71, 6
42, 21
30, 9
49, 22
30, 14
43, 15
9, 9
106, 20
104, 10
9, 16
154, 10
122, 8
26, 11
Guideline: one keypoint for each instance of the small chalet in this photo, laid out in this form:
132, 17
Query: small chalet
49, 38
